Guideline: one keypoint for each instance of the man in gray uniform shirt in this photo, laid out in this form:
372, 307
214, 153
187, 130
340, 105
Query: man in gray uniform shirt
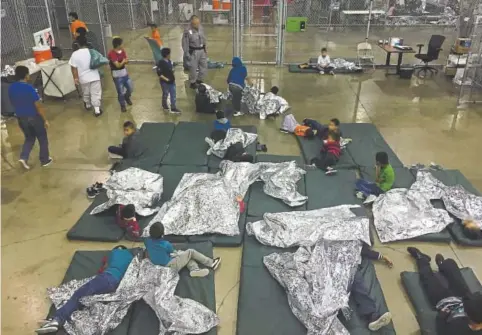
194, 47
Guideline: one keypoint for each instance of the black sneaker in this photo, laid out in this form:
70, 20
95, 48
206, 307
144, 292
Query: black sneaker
48, 162
128, 100
439, 259
98, 186
175, 111
99, 113
199, 82
87, 107
123, 109
193, 86
417, 254
216, 263
92, 192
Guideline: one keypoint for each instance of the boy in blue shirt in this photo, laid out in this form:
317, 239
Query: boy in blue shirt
31, 117
221, 122
161, 252
236, 82
105, 282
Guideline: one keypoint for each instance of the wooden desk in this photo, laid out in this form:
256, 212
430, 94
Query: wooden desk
392, 50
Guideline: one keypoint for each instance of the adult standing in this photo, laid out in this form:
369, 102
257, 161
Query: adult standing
75, 23
195, 56
87, 78
31, 117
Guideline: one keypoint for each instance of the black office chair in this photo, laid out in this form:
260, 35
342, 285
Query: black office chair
434, 48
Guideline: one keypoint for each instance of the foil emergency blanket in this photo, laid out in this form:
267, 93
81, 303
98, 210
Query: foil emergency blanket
306, 228
233, 135
318, 276
143, 280
206, 203
214, 95
340, 63
463, 205
264, 105
134, 186
407, 213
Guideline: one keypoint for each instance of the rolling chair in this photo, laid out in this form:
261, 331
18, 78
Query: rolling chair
433, 51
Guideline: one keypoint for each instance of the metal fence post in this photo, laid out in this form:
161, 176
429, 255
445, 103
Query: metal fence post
101, 23
280, 42
131, 14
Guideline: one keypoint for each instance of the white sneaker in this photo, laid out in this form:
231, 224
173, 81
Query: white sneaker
360, 195
382, 321
24, 164
371, 198
330, 171
322, 72
48, 162
238, 114
114, 156
216, 263
199, 273
51, 326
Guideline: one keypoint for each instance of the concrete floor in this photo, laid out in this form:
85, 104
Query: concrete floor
418, 119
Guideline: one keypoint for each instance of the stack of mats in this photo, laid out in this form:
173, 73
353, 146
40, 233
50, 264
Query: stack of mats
140, 318
263, 305
425, 313
170, 150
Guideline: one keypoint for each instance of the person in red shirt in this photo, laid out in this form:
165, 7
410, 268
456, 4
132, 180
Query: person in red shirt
126, 219
123, 84
330, 153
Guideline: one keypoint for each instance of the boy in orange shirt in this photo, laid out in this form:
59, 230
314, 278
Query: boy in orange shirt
155, 35
75, 24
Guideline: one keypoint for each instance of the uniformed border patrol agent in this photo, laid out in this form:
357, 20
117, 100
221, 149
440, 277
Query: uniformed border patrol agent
194, 47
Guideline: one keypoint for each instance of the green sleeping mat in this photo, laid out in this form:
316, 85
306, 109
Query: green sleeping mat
294, 68
311, 149
144, 321
327, 191
263, 305
141, 319
452, 178
154, 138
425, 313
187, 146
213, 161
366, 142
260, 202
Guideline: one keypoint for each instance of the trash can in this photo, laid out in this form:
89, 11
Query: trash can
406, 71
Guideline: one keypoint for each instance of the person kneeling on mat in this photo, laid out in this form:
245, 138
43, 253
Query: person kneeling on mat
126, 219
367, 307
203, 102
384, 178
221, 122
237, 153
330, 153
130, 144
161, 252
105, 282
459, 310
472, 230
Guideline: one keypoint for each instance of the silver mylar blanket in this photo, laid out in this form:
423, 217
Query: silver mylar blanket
407, 213
134, 186
340, 63
264, 105
462, 204
214, 95
318, 276
206, 203
233, 135
143, 280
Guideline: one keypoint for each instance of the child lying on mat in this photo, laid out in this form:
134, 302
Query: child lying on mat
330, 153
367, 307
161, 252
384, 178
472, 230
126, 219
105, 282
130, 144
290, 125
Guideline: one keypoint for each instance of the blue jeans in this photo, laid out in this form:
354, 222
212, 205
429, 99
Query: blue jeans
120, 83
100, 284
168, 90
367, 187
33, 129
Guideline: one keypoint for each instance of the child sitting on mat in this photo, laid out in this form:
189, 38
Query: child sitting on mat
330, 153
161, 252
237, 153
472, 230
105, 282
130, 147
221, 122
203, 102
384, 178
126, 219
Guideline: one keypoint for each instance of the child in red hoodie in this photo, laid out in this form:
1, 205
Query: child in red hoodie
126, 219
330, 153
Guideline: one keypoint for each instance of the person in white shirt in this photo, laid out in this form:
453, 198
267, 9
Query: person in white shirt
324, 63
87, 78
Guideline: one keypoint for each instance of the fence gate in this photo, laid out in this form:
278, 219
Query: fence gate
259, 30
